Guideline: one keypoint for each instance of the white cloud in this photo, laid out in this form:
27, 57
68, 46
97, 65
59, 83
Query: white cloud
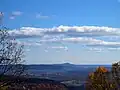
12, 17
27, 50
83, 40
84, 35
40, 16
59, 47
76, 31
97, 49
16, 13
26, 32
100, 49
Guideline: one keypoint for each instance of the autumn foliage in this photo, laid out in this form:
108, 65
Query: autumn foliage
101, 79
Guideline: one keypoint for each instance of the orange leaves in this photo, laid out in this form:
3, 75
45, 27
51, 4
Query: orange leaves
101, 69
98, 74
100, 80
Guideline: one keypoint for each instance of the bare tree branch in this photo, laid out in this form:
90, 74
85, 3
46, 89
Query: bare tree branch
11, 56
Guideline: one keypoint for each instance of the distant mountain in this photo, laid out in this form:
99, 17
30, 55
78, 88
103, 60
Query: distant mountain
61, 67
61, 72
67, 64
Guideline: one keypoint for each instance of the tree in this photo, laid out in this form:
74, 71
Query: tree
11, 56
100, 80
116, 73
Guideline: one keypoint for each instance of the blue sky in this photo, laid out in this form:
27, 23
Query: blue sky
58, 31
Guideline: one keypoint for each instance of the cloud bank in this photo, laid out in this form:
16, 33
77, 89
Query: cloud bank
68, 31
84, 35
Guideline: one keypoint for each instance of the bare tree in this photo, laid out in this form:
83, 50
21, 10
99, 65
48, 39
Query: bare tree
11, 56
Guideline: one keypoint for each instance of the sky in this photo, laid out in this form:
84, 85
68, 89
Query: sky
65, 31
